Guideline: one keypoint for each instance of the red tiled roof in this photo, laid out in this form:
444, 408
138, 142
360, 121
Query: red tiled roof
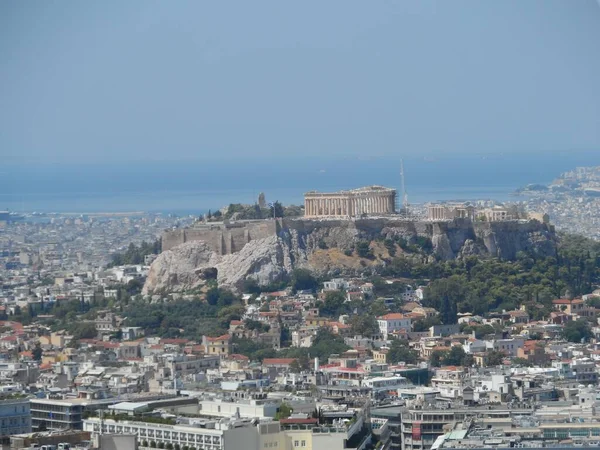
110, 345
218, 338
393, 316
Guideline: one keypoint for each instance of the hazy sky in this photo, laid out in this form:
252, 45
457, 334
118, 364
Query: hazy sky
84, 81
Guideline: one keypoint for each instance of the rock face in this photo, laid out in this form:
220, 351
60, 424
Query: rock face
320, 245
266, 260
181, 268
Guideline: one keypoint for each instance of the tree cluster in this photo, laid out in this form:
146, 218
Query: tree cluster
135, 254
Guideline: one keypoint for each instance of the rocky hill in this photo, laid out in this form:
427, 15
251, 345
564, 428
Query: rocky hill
329, 246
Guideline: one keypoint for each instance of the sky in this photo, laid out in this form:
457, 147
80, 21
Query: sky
113, 81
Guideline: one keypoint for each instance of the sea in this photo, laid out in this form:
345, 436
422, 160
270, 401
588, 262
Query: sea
196, 186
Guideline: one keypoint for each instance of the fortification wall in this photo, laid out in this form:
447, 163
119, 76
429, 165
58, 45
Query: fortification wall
223, 239
449, 238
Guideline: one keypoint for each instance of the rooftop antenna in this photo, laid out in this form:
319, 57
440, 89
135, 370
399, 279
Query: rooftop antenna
404, 194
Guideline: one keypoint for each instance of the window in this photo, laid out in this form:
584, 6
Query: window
296, 444
303, 444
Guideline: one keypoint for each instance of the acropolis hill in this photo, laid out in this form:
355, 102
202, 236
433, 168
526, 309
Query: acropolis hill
324, 240
449, 238
269, 250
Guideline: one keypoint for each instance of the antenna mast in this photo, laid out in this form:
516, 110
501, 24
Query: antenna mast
404, 194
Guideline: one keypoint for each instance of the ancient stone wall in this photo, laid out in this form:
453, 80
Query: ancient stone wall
449, 238
222, 238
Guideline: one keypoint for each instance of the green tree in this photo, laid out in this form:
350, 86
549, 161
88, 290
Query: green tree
303, 279
327, 343
334, 304
401, 352
493, 358
37, 352
364, 325
251, 286
283, 412
577, 331
457, 357
444, 295
278, 208
212, 295
295, 366
425, 324
437, 358
83, 330
363, 249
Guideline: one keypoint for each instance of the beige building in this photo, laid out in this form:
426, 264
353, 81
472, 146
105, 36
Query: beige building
220, 345
367, 200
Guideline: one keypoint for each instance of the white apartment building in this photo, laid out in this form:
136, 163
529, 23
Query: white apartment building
240, 434
336, 284
393, 322
208, 435
243, 408
449, 381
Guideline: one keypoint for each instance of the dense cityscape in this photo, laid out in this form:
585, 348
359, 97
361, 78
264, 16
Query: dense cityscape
397, 357
290, 226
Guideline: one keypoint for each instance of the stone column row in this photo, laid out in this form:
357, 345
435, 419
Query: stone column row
326, 206
349, 206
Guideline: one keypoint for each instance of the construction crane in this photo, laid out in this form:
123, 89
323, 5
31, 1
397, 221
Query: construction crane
404, 209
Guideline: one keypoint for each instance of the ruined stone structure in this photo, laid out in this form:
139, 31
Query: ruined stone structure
223, 238
371, 200
450, 211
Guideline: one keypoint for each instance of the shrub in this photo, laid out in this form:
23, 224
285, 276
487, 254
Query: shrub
364, 250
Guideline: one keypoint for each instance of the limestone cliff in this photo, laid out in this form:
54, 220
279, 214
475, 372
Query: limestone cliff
320, 246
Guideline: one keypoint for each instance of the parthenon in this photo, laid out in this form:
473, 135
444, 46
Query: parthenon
367, 200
